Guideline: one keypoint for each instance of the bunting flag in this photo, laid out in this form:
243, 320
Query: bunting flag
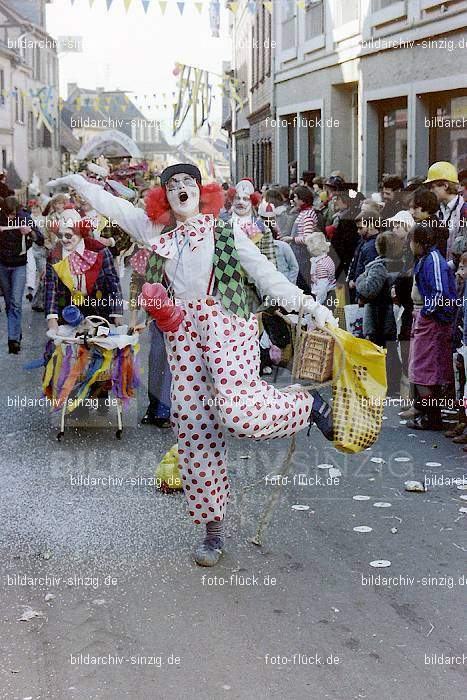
42, 108
195, 95
233, 5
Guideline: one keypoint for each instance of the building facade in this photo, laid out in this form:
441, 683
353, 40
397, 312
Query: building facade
252, 71
369, 87
29, 142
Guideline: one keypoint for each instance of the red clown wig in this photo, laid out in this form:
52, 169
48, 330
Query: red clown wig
255, 197
158, 207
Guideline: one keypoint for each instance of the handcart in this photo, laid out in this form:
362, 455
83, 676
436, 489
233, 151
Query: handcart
81, 365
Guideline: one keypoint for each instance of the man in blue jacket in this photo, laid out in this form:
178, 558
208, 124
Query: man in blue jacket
17, 234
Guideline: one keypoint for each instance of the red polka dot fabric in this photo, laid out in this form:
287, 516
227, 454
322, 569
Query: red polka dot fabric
216, 389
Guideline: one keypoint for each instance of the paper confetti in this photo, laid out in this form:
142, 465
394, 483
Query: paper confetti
380, 563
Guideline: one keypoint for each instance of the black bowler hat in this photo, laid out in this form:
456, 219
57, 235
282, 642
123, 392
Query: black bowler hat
186, 168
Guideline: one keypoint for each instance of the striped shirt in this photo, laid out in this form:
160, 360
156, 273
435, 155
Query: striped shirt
305, 223
323, 267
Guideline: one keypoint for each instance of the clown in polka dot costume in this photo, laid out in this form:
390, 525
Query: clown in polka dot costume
214, 354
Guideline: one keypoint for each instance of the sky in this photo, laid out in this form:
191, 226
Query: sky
134, 51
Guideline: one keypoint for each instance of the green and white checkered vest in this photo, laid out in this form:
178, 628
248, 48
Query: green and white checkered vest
228, 273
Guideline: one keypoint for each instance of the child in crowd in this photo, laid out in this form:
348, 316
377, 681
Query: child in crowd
423, 207
430, 359
322, 268
374, 291
457, 433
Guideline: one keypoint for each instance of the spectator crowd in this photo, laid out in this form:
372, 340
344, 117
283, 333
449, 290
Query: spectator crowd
392, 266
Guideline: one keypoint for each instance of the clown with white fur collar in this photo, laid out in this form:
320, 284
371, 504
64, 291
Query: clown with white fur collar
214, 355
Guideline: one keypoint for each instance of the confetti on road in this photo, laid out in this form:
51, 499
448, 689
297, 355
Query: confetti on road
415, 486
402, 422
382, 504
462, 510
324, 466
380, 563
362, 528
402, 459
335, 473
29, 614
432, 464
358, 497
377, 460
297, 506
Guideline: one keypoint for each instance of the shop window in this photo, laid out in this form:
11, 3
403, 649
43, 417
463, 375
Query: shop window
448, 128
392, 137
311, 121
292, 146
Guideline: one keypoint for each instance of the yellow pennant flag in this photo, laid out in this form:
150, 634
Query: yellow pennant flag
163, 5
268, 5
301, 4
127, 4
199, 6
233, 7
91, 3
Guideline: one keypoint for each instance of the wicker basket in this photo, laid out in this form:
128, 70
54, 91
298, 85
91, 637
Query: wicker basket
315, 353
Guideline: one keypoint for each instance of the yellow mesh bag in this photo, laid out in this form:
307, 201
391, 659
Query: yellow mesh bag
359, 391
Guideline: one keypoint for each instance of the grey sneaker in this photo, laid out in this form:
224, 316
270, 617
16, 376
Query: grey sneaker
209, 552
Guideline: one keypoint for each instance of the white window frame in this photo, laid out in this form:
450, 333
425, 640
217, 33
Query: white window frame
347, 30
428, 4
389, 14
319, 41
288, 54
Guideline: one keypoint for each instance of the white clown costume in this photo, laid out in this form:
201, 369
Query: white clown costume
214, 355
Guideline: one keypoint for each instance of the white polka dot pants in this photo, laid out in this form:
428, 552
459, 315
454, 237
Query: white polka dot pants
214, 359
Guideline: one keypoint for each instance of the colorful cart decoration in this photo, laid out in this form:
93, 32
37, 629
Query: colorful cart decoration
83, 367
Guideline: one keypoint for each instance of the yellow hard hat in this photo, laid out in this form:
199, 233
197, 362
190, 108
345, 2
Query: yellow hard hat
442, 170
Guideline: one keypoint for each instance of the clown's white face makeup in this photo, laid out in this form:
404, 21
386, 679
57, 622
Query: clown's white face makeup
69, 239
242, 204
183, 196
